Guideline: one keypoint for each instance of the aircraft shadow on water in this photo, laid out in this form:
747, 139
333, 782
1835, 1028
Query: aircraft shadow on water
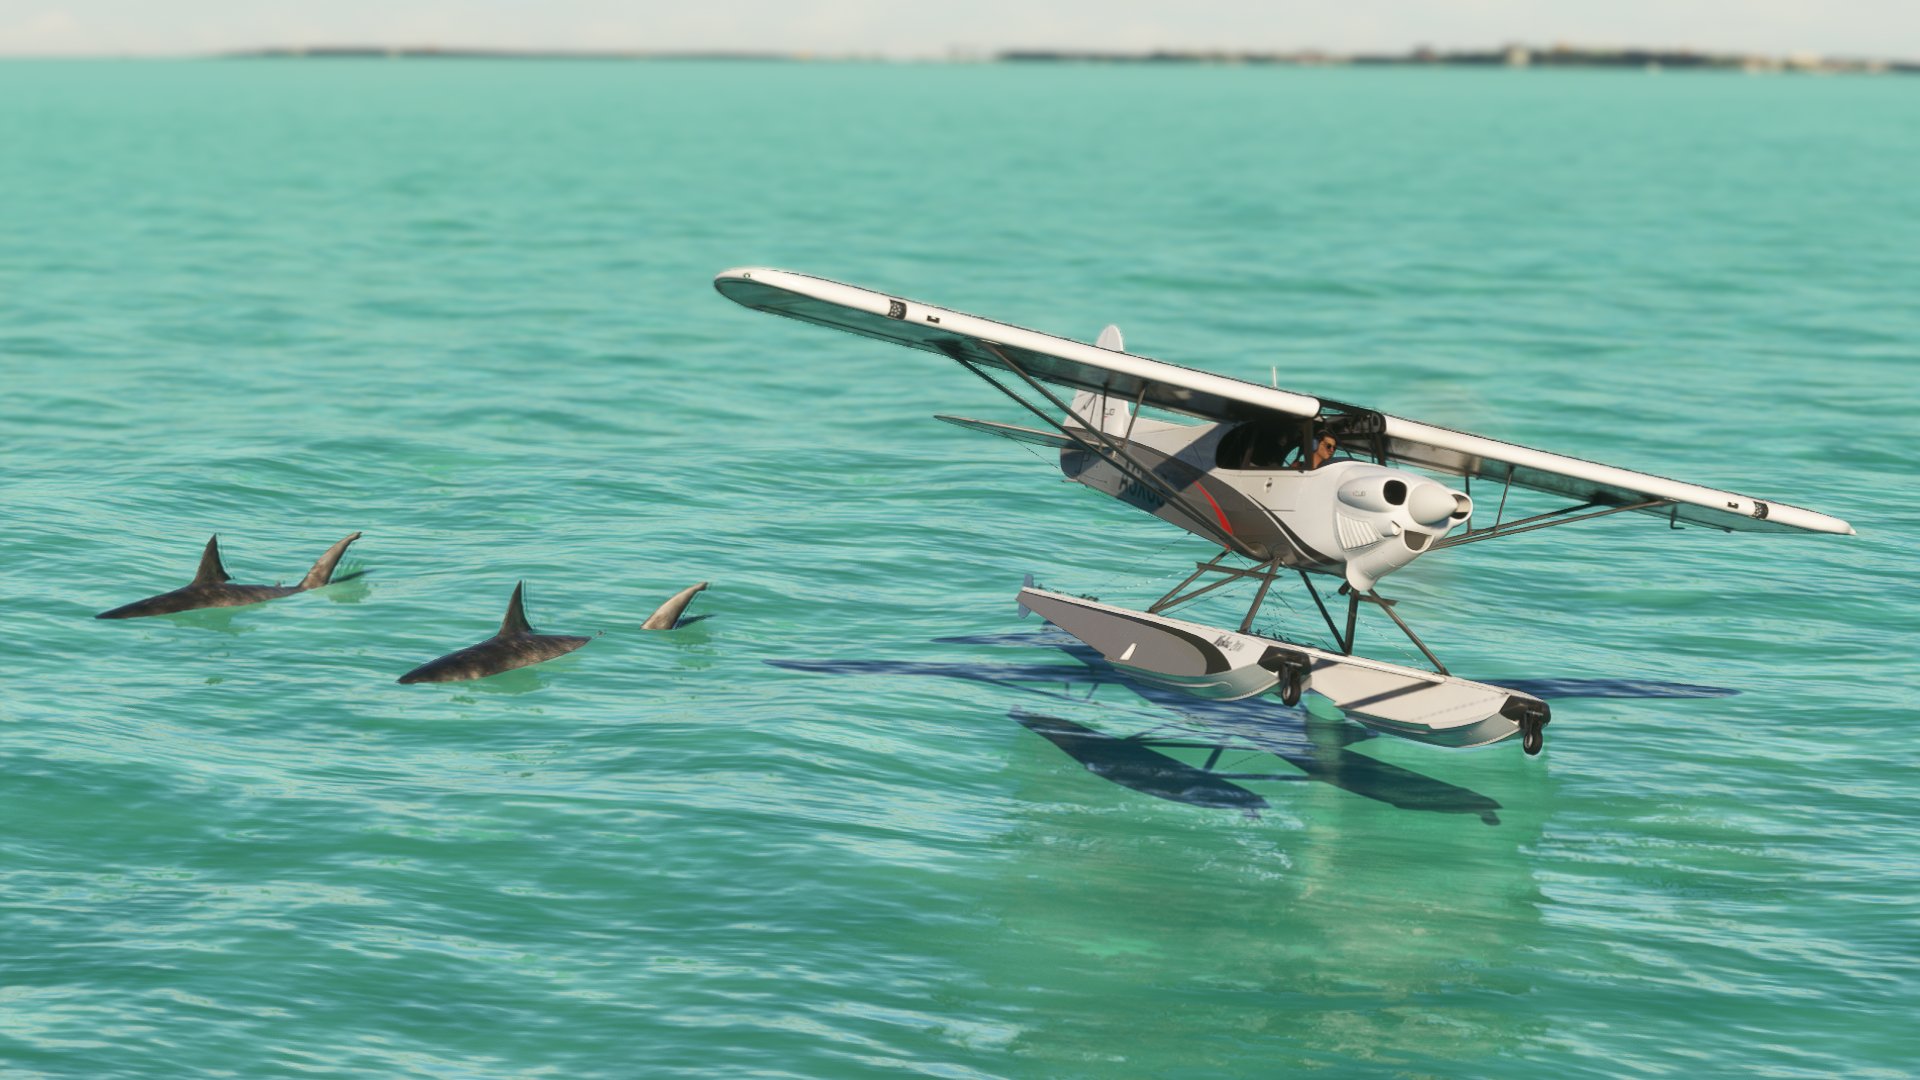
1316, 747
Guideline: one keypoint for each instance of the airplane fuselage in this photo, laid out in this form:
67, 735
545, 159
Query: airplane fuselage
1350, 518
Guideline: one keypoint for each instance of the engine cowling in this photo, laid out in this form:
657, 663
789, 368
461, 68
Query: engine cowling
1381, 519
1378, 492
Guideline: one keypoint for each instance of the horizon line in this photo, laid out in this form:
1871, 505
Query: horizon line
1513, 54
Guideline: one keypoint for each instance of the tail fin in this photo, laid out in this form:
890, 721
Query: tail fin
1107, 414
322, 571
667, 615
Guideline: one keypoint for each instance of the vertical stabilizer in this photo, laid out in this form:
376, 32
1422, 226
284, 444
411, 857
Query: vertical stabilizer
1108, 414
516, 620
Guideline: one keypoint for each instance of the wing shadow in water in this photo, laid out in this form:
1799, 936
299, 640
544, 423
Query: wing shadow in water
1549, 689
1133, 763
1315, 746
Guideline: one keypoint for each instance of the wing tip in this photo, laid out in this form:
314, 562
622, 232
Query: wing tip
1812, 521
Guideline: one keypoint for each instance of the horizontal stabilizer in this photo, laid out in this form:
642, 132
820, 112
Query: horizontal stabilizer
1010, 431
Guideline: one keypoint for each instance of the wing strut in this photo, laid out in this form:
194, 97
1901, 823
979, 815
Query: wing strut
1386, 605
1108, 451
1545, 521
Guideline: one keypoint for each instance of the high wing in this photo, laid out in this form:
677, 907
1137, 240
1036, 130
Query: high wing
1137, 379
1052, 359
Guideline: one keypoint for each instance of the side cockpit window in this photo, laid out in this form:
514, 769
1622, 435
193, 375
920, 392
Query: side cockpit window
1258, 444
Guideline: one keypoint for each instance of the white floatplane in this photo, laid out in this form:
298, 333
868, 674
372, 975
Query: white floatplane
1288, 482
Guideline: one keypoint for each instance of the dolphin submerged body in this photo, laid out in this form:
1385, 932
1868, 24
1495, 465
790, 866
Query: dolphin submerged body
212, 587
515, 646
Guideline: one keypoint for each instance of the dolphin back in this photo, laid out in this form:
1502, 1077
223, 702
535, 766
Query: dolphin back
213, 587
502, 652
209, 582
516, 645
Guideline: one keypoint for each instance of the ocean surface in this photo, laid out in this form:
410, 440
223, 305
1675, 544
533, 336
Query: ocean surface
466, 308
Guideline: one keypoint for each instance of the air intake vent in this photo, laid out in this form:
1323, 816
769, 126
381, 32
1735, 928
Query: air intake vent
1355, 533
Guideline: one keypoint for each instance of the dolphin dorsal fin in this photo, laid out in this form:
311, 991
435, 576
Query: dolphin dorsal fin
211, 572
516, 620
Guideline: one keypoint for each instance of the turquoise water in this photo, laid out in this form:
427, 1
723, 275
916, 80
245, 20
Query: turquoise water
466, 308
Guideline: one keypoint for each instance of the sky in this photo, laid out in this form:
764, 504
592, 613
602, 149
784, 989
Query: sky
905, 29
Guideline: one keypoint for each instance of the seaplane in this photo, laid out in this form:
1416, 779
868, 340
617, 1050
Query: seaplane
1286, 485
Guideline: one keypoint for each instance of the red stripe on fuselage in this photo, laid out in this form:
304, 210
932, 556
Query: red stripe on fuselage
1217, 512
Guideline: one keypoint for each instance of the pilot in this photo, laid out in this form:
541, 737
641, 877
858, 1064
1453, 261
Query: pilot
1322, 452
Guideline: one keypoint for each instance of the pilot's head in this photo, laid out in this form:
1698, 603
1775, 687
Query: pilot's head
1323, 450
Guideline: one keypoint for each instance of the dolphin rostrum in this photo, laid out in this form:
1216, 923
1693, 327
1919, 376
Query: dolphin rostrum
669, 612
210, 587
516, 645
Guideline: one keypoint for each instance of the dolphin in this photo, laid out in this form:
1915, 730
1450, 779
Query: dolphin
668, 613
210, 586
516, 645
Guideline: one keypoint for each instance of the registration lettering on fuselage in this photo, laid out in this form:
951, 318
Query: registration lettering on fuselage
1135, 493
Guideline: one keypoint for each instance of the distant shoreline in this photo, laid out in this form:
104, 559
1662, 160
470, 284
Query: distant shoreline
1512, 56
1509, 56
